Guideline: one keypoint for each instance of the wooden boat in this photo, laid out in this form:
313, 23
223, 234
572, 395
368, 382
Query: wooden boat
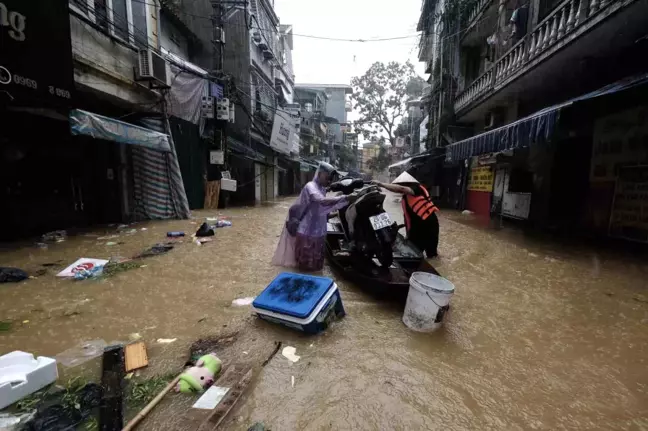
389, 283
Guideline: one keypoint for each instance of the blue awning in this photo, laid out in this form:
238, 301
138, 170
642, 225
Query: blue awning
110, 129
537, 128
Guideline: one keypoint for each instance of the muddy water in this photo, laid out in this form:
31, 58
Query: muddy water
540, 336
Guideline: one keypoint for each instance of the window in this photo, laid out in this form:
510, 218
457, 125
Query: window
120, 19
125, 19
140, 29
101, 13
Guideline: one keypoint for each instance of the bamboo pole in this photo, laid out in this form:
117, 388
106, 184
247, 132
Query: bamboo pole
146, 410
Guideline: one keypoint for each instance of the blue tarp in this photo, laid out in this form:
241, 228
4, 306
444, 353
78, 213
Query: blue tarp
110, 129
534, 129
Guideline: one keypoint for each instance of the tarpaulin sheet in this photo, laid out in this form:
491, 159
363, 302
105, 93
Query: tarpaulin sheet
185, 96
159, 191
110, 129
534, 129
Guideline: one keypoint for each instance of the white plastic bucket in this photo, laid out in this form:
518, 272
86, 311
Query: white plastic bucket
427, 301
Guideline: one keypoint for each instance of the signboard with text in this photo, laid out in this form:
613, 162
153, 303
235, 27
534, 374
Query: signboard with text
282, 131
620, 140
629, 215
481, 179
36, 51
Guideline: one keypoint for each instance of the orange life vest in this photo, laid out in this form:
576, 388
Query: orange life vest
422, 206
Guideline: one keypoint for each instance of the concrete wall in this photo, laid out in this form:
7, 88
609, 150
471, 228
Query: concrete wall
194, 14
104, 65
172, 39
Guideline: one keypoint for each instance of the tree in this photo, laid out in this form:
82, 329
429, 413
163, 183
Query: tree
346, 158
381, 161
403, 127
381, 96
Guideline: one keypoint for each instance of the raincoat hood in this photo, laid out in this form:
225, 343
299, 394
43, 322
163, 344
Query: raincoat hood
324, 167
405, 178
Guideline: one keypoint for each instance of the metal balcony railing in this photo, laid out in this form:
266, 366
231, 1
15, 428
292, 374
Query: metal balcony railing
552, 30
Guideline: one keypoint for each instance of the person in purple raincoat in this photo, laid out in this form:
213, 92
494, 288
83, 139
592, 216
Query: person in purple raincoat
302, 240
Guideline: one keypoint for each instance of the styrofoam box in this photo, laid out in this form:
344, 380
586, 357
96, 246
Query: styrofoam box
21, 375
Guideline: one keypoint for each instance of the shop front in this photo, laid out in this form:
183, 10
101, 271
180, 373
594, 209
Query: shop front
41, 166
575, 167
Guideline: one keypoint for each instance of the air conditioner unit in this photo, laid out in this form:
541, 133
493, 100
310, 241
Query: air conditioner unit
152, 66
256, 37
263, 45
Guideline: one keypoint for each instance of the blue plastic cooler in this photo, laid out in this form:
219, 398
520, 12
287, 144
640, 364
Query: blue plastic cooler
304, 302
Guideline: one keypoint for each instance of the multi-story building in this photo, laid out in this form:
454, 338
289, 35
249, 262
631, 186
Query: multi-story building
107, 71
314, 126
334, 111
338, 104
521, 81
258, 58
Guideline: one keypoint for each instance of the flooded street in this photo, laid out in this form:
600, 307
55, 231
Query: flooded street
540, 336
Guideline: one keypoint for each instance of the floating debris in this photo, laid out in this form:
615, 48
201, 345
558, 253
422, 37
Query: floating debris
288, 352
166, 340
241, 302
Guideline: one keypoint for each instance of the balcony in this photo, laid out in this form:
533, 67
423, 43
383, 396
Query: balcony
481, 17
425, 47
574, 30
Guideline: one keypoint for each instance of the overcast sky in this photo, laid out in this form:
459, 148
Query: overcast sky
332, 62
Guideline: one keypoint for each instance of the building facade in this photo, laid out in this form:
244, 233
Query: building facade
258, 58
332, 104
520, 94
120, 94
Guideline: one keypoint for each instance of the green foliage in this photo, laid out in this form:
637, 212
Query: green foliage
381, 96
69, 398
403, 127
346, 158
142, 392
415, 86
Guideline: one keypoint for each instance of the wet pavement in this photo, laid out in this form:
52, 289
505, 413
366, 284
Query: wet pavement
540, 335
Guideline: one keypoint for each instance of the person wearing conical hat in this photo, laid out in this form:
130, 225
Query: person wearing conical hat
419, 211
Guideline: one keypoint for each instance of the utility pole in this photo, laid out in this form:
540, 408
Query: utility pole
438, 137
218, 41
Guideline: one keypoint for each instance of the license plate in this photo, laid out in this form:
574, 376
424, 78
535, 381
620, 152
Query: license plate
380, 221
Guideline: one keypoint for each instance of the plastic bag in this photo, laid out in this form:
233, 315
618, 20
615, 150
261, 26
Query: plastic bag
12, 275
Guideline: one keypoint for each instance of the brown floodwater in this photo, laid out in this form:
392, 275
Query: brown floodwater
540, 336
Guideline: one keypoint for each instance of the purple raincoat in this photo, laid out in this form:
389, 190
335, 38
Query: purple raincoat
306, 249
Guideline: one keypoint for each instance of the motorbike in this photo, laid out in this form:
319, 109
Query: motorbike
365, 223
